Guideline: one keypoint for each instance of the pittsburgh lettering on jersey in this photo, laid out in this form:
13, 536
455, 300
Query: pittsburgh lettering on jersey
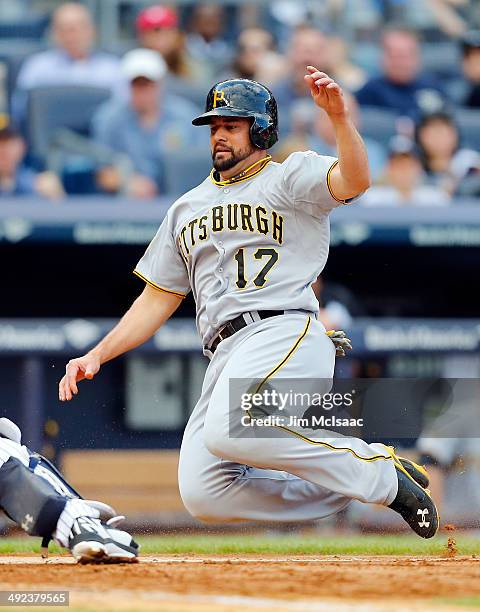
234, 218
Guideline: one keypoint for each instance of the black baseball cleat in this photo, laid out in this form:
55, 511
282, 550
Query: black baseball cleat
415, 505
92, 541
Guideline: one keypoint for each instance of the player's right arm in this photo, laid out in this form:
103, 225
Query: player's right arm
146, 315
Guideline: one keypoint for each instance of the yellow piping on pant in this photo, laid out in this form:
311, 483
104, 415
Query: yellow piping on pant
295, 433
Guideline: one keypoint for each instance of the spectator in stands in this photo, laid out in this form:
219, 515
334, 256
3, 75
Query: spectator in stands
145, 127
16, 179
311, 129
430, 17
72, 61
401, 87
452, 168
158, 29
308, 46
205, 39
471, 68
404, 181
255, 47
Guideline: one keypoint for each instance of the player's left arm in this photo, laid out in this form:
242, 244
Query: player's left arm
351, 176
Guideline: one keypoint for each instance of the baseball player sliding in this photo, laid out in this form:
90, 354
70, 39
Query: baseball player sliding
249, 241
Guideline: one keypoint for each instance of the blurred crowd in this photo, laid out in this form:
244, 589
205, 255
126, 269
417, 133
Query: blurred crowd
81, 118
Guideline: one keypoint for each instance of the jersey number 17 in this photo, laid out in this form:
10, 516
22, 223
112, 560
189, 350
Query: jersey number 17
261, 278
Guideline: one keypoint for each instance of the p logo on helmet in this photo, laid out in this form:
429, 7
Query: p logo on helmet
218, 96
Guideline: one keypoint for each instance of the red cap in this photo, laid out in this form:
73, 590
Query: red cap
157, 17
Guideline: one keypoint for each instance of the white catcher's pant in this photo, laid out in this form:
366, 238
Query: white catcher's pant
282, 477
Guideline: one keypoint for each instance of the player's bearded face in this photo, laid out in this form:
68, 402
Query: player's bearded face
230, 144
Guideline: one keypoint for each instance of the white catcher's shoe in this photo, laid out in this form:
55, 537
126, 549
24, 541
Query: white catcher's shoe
91, 541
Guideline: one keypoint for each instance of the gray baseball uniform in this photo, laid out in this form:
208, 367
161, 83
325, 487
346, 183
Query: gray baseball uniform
242, 247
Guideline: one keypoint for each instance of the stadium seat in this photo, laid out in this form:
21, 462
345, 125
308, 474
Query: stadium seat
377, 123
441, 58
53, 108
12, 55
185, 170
468, 120
29, 27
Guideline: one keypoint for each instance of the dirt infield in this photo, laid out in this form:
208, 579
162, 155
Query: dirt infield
251, 582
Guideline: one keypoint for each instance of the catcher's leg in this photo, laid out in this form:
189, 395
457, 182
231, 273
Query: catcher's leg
34, 504
28, 500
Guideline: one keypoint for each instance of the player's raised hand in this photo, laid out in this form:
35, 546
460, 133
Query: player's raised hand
326, 93
76, 370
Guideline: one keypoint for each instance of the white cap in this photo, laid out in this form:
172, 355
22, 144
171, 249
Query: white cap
143, 63
8, 429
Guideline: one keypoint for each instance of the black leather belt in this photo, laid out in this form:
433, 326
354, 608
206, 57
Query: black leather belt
235, 325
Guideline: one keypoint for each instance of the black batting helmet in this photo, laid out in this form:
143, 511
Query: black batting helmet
244, 98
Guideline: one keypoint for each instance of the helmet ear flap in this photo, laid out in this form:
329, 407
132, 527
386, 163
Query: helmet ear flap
263, 133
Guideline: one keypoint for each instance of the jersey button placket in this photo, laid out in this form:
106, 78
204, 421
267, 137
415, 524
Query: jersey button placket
221, 259
219, 246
